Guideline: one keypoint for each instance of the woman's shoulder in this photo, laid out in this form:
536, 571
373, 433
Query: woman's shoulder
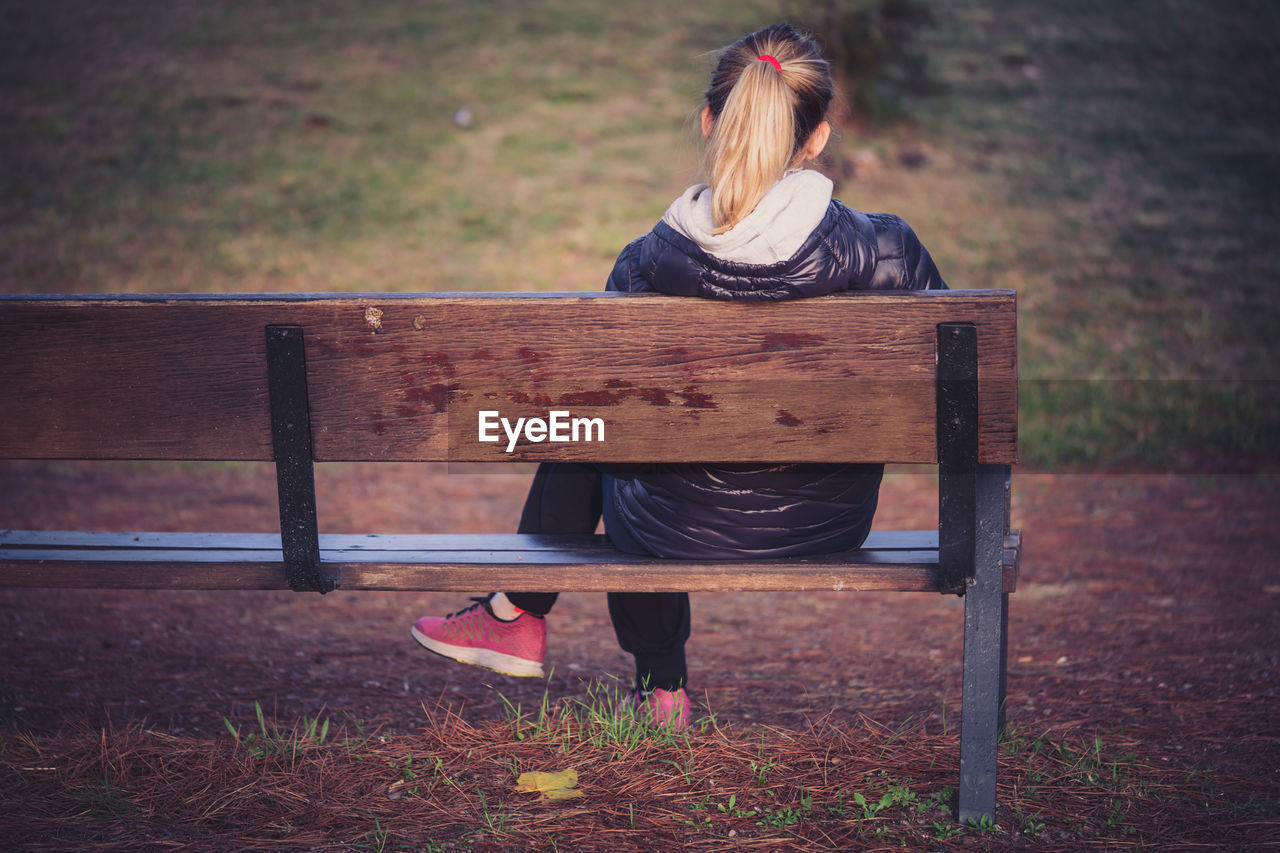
898, 260
661, 253
625, 275
866, 224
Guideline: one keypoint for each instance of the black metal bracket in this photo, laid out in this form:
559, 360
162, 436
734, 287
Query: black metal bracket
295, 471
957, 435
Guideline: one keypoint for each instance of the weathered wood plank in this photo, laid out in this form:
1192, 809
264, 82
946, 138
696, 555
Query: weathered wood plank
841, 378
133, 570
878, 540
481, 568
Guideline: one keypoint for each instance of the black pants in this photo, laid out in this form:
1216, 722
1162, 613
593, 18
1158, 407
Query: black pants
651, 626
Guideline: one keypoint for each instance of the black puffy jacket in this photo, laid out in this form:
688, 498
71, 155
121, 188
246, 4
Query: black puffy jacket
848, 250
737, 511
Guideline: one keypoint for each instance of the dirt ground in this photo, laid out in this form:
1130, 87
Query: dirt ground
1146, 606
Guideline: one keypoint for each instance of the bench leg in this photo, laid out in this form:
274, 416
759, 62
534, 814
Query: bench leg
986, 619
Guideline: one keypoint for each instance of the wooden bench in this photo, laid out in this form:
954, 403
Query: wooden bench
924, 377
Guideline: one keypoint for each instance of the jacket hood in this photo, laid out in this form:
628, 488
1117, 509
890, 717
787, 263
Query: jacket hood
770, 234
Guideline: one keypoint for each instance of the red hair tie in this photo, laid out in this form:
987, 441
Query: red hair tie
771, 60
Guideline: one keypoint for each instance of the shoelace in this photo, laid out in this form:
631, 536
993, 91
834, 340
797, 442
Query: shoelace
479, 600
469, 623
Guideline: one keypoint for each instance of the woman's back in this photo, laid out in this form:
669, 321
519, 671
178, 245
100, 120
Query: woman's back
778, 235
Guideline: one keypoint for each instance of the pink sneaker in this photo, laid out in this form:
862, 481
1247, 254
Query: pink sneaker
474, 635
669, 708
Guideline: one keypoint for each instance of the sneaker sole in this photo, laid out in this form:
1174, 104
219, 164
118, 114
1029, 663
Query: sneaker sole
486, 658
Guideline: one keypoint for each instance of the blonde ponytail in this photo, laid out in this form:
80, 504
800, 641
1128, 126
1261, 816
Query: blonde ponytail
751, 144
763, 111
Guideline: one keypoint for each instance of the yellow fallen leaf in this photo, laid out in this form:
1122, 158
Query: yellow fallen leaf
562, 785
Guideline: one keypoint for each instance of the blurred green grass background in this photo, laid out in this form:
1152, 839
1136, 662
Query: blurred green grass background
1117, 164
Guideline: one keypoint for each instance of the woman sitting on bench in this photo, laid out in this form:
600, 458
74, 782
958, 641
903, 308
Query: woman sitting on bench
764, 228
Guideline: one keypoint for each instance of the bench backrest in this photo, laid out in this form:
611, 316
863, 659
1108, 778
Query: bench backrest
405, 377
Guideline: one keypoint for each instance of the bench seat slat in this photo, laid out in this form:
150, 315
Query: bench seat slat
887, 540
447, 565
